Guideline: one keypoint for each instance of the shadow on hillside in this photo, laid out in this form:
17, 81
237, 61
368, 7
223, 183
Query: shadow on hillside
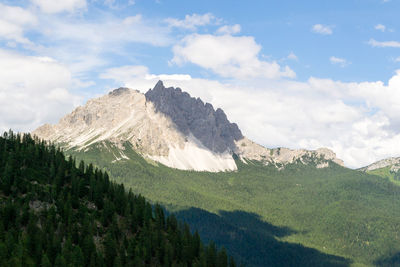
252, 241
252, 222
392, 261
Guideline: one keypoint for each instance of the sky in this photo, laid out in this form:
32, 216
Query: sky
297, 74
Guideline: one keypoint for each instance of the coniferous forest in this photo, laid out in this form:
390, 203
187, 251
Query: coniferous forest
55, 212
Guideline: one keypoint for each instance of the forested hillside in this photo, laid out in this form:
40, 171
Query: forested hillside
53, 213
297, 216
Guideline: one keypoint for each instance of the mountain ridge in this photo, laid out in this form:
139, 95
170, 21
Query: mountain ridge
388, 168
392, 162
170, 127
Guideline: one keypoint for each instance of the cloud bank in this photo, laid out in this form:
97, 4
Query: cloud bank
33, 91
228, 56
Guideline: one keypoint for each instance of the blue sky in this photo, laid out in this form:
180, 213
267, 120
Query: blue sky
300, 74
282, 27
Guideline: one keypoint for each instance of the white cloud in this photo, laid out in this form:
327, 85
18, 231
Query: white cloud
33, 91
397, 59
139, 77
227, 56
229, 29
375, 43
339, 61
57, 6
13, 22
82, 45
322, 29
380, 27
191, 22
169, 77
292, 56
108, 31
125, 73
113, 5
110, 3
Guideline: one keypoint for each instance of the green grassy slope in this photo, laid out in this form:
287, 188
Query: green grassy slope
336, 211
386, 173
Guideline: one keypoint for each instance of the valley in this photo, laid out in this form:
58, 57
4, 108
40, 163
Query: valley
335, 210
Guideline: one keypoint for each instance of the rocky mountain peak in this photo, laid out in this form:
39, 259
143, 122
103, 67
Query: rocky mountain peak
169, 126
194, 117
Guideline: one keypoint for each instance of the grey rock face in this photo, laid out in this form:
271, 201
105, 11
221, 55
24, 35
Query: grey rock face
119, 91
211, 127
394, 164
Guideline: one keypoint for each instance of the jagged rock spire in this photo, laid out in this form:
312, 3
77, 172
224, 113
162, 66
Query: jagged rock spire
192, 116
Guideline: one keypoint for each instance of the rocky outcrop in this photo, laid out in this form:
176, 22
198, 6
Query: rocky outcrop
279, 157
193, 116
393, 163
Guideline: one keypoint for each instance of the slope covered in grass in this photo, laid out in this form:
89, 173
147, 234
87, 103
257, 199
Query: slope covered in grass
387, 174
332, 216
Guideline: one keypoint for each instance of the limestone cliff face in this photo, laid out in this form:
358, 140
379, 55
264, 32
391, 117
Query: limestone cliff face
281, 156
122, 115
192, 116
171, 127
393, 163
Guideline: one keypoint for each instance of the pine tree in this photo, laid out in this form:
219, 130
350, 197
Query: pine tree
3, 254
6, 178
109, 249
77, 257
222, 258
211, 255
45, 262
56, 214
232, 262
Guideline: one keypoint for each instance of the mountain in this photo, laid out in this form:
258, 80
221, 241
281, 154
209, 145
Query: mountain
169, 126
393, 163
53, 213
276, 209
388, 168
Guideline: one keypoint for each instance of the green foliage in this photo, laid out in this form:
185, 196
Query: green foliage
334, 210
388, 174
53, 213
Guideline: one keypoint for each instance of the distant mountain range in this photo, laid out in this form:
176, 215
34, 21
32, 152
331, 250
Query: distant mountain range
169, 126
